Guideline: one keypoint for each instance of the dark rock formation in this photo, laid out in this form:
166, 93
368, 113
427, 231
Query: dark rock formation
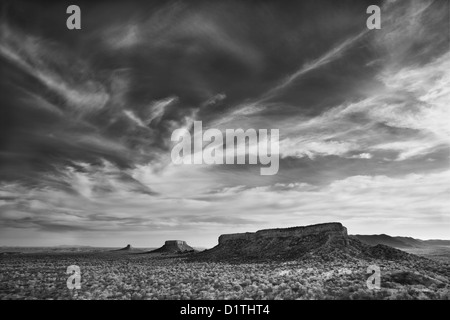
174, 246
288, 243
334, 231
327, 241
127, 248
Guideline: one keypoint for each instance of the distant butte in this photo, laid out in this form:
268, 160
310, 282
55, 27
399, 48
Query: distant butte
174, 246
127, 248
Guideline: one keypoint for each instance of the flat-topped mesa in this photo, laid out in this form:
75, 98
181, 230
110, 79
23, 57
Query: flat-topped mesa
287, 243
175, 246
326, 241
175, 243
332, 230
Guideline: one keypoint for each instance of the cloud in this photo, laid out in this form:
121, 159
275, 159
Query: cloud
413, 98
411, 32
313, 148
408, 149
35, 57
331, 55
351, 201
134, 118
124, 36
362, 156
157, 108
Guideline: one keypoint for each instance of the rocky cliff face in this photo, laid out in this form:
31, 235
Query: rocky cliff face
334, 231
285, 243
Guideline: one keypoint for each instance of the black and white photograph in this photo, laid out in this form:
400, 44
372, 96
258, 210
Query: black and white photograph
225, 150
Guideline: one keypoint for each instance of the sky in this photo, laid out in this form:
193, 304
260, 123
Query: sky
87, 115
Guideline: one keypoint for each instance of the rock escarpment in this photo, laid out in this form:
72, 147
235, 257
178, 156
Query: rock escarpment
333, 231
285, 243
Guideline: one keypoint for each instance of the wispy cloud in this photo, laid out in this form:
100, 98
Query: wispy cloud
333, 54
134, 118
35, 57
157, 108
414, 98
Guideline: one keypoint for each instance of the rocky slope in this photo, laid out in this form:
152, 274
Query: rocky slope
400, 242
395, 242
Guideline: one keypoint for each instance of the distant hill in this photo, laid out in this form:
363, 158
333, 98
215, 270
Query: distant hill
385, 240
68, 246
416, 243
129, 249
399, 242
436, 242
